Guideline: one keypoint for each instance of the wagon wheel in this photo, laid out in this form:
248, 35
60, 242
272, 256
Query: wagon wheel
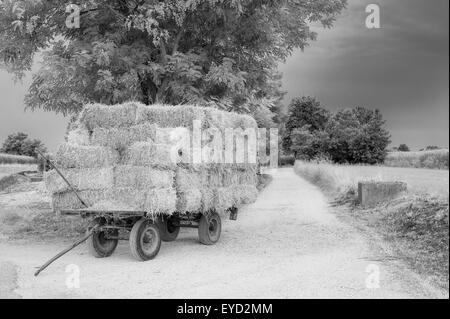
209, 228
145, 240
99, 244
167, 227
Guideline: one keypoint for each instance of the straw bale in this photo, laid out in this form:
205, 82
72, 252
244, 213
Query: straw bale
122, 137
245, 194
224, 198
68, 199
129, 197
79, 136
150, 154
161, 201
79, 178
190, 200
142, 177
99, 115
169, 115
80, 156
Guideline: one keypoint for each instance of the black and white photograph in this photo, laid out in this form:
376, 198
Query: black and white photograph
224, 155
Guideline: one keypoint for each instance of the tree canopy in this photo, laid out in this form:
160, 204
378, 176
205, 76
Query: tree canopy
352, 135
21, 144
209, 52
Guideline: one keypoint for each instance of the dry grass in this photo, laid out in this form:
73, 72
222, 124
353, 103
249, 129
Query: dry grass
42, 225
435, 159
339, 178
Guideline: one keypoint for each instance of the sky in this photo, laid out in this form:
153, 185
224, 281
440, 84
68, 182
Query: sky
401, 69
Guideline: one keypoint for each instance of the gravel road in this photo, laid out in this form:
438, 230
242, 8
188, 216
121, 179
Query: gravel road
289, 244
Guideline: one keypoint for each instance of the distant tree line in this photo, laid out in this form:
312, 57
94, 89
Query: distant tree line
356, 135
21, 144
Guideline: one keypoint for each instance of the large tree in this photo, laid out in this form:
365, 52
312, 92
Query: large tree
357, 135
210, 52
304, 114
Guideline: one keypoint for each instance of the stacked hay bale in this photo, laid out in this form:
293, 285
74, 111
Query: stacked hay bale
129, 157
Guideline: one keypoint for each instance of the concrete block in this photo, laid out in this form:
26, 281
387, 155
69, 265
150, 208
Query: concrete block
373, 193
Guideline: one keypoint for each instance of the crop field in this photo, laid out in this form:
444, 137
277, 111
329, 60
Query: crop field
331, 177
8, 169
434, 159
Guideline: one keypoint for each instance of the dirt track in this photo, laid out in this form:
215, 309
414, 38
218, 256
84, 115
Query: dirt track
289, 244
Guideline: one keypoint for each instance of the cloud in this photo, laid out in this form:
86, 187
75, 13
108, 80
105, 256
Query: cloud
401, 68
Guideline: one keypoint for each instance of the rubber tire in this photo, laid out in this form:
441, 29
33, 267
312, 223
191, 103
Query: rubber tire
167, 234
137, 233
98, 246
205, 235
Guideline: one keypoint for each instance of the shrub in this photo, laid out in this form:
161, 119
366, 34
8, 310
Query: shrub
403, 148
21, 144
286, 160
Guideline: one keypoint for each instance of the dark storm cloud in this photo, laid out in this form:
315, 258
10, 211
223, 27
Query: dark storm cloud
401, 68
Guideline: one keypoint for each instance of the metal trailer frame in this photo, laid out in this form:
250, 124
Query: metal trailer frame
143, 231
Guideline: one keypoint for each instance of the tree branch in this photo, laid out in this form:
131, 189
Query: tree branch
162, 46
177, 42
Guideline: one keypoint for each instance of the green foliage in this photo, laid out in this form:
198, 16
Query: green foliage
306, 116
403, 148
286, 160
348, 136
20, 144
209, 52
357, 136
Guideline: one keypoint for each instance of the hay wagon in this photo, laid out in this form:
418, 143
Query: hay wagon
145, 231
131, 170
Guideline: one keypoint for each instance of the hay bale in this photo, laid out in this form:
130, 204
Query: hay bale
142, 177
123, 137
224, 198
187, 178
169, 115
81, 179
68, 200
207, 198
130, 198
247, 121
245, 194
153, 155
221, 119
79, 136
99, 115
178, 139
161, 201
80, 156
189, 200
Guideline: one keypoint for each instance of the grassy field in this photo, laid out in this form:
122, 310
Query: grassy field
8, 169
434, 159
338, 178
416, 225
